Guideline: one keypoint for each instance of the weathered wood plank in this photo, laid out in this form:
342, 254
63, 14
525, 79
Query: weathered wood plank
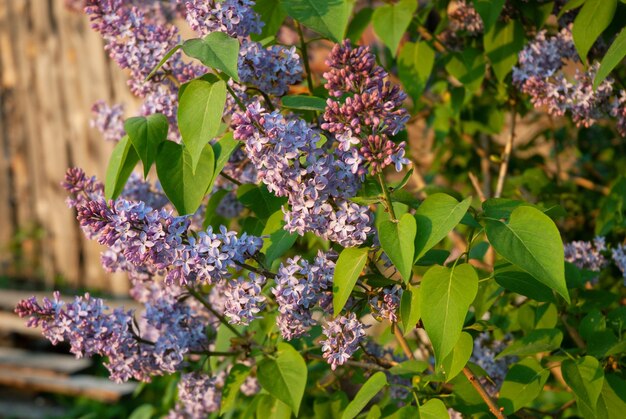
22, 360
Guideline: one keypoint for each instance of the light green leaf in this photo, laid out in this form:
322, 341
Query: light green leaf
392, 20
522, 384
436, 217
222, 150
123, 160
468, 67
502, 44
591, 21
585, 377
448, 293
305, 103
398, 241
200, 115
415, 63
326, 17
216, 50
410, 308
531, 241
434, 409
456, 360
284, 376
358, 24
539, 340
347, 270
235, 379
612, 401
271, 408
145, 411
279, 240
614, 56
489, 11
184, 187
371, 388
259, 200
146, 133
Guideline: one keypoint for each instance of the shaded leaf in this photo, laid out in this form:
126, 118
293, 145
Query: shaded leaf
523, 383
366, 393
146, 133
123, 160
540, 340
585, 377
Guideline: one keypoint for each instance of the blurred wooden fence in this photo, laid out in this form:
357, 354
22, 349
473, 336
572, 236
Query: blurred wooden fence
52, 69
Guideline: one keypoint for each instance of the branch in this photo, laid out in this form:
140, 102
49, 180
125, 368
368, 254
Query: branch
360, 364
483, 394
206, 304
506, 156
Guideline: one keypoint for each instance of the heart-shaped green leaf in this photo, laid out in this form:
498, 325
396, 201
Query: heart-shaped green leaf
392, 20
522, 384
216, 50
146, 133
326, 17
398, 241
585, 376
123, 160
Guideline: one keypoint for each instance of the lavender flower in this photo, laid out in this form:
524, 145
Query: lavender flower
233, 17
619, 257
244, 299
587, 255
465, 18
343, 337
484, 353
385, 304
198, 396
109, 120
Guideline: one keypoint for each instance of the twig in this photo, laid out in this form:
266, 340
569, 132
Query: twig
221, 318
402, 341
305, 58
388, 201
230, 178
476, 186
483, 394
360, 364
578, 340
508, 148
259, 271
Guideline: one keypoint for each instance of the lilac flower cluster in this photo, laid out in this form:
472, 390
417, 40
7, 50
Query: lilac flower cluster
372, 110
300, 285
385, 304
484, 354
198, 396
233, 17
271, 70
540, 74
464, 17
587, 255
244, 299
91, 329
109, 120
144, 236
343, 337
619, 257
316, 180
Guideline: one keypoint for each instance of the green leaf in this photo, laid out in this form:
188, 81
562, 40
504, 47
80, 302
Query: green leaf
502, 44
211, 206
489, 11
539, 340
398, 241
435, 218
410, 308
326, 17
166, 57
615, 55
216, 50
405, 412
123, 160
279, 240
272, 14
145, 411
591, 21
585, 377
146, 133
415, 63
570, 5
392, 20
184, 187
284, 376
516, 280
200, 115
456, 360
612, 401
358, 24
409, 367
259, 200
531, 241
448, 293
347, 270
272, 408
371, 388
305, 103
222, 150
501, 207
235, 379
433, 409
468, 67
523, 383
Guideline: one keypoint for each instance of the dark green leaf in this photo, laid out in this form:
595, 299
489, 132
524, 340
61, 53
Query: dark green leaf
259, 200
489, 11
371, 387
585, 377
522, 384
448, 293
392, 20
531, 241
612, 58
216, 50
146, 133
184, 187
410, 308
358, 24
284, 376
540, 340
123, 160
211, 206
279, 240
222, 150
468, 67
612, 401
415, 63
590, 22
502, 44
514, 279
455, 361
272, 14
347, 270
326, 17
570, 5
235, 379
305, 103
398, 241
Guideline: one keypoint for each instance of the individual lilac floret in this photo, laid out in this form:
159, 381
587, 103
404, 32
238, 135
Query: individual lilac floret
619, 257
244, 299
587, 255
198, 396
484, 354
343, 337
385, 304
271, 70
109, 120
300, 285
233, 17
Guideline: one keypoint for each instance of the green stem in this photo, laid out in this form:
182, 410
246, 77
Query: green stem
305, 58
235, 97
221, 318
383, 185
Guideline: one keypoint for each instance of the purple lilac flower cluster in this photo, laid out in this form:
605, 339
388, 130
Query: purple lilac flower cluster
619, 257
271, 70
109, 120
235, 18
316, 180
587, 255
464, 17
398, 385
144, 237
198, 396
484, 354
301, 285
92, 329
371, 113
343, 337
540, 74
244, 299
385, 304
